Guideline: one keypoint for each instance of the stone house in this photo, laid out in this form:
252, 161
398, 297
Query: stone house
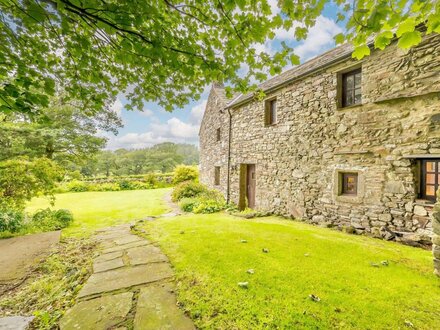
336, 142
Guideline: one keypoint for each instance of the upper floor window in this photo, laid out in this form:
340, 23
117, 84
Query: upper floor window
218, 135
270, 115
351, 88
430, 179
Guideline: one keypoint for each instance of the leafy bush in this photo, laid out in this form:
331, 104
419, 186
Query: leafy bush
188, 204
197, 198
48, 219
185, 173
11, 221
188, 189
208, 206
77, 186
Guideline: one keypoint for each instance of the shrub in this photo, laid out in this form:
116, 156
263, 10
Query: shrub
208, 206
185, 173
187, 189
11, 220
188, 204
77, 186
48, 219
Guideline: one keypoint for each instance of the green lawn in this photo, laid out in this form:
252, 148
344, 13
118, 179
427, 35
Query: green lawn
93, 210
210, 260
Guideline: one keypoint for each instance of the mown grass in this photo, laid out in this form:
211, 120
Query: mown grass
210, 259
94, 210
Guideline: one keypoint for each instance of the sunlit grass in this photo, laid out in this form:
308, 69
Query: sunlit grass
93, 210
210, 259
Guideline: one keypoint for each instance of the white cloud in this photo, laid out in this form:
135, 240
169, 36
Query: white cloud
117, 107
173, 130
319, 38
146, 112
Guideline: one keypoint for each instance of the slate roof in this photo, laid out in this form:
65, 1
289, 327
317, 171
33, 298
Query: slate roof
323, 60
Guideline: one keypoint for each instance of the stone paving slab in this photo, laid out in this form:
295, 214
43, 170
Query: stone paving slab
15, 322
145, 254
108, 256
125, 246
130, 286
100, 313
126, 277
156, 310
107, 265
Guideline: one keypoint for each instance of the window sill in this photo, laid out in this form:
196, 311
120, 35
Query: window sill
350, 106
424, 202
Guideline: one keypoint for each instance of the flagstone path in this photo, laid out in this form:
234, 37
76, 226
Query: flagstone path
131, 288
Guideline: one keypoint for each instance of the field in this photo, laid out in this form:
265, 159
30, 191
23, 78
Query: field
307, 277
93, 210
356, 282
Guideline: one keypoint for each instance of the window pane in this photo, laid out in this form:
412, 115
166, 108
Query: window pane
349, 82
349, 98
357, 95
430, 178
357, 79
430, 190
430, 166
349, 181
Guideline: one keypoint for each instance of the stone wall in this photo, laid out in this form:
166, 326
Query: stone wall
298, 159
214, 153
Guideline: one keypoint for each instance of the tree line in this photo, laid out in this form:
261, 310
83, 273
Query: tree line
163, 157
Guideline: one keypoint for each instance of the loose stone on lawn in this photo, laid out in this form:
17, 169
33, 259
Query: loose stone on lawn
124, 278
15, 322
100, 313
107, 265
145, 254
157, 309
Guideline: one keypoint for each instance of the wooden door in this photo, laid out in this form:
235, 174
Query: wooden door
250, 185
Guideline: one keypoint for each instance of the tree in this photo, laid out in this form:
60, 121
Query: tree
167, 51
61, 132
21, 179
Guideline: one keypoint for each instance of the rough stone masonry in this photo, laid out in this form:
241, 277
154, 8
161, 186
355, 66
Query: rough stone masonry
300, 160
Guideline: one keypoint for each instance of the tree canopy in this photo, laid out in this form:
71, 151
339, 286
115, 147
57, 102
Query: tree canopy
167, 51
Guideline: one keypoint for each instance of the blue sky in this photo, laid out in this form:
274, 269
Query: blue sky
155, 125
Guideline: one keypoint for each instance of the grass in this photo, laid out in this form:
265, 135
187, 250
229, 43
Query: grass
210, 259
94, 210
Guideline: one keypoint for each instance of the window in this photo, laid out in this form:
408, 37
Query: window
349, 184
217, 175
218, 135
270, 115
351, 88
430, 179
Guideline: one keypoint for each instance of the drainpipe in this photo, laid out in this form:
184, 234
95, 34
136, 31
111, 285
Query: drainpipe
228, 193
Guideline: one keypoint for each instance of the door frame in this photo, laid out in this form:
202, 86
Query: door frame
243, 186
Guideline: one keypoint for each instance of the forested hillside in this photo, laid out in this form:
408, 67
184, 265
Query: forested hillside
161, 157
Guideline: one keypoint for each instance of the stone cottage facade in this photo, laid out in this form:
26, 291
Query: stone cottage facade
336, 142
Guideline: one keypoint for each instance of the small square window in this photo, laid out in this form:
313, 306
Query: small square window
351, 88
218, 134
349, 184
430, 179
270, 115
217, 175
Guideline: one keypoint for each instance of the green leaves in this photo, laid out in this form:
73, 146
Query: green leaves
360, 52
407, 25
409, 39
383, 39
